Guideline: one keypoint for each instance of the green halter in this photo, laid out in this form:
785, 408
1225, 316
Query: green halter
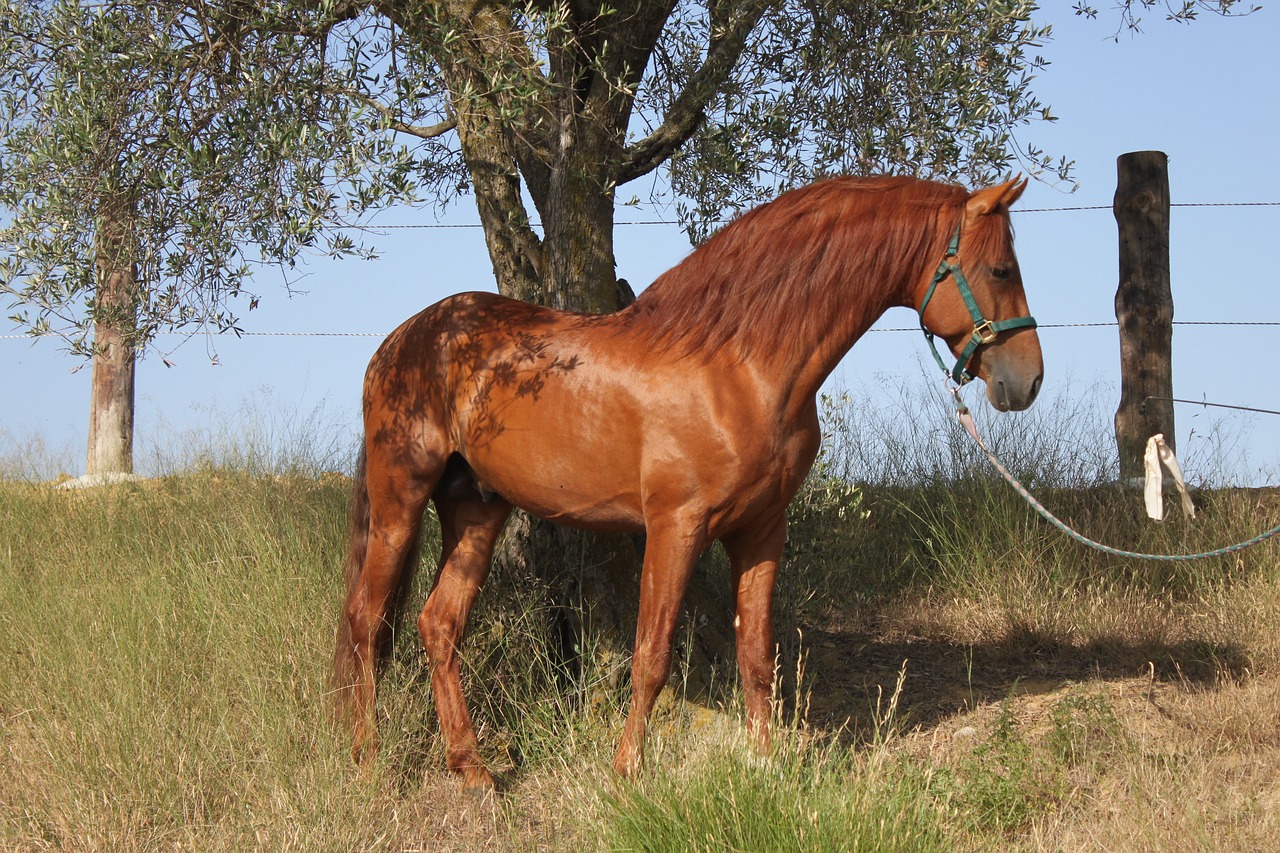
984, 330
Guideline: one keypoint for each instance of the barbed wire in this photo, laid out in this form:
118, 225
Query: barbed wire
1112, 324
283, 334
1172, 204
674, 223
474, 225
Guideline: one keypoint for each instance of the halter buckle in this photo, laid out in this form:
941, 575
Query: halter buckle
984, 332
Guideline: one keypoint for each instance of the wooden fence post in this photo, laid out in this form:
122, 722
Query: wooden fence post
1144, 307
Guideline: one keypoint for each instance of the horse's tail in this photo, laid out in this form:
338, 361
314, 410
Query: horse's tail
344, 657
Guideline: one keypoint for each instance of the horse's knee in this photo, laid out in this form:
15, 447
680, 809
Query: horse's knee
353, 610
429, 632
651, 668
361, 630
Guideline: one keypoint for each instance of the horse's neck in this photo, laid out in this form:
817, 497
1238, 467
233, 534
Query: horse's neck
834, 302
808, 362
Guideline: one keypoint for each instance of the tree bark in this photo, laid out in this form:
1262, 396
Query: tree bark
1144, 308
111, 401
580, 273
514, 249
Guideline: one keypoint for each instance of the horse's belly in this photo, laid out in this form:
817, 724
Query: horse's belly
585, 511
581, 486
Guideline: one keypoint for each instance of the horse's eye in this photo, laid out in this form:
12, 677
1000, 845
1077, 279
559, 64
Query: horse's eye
1000, 271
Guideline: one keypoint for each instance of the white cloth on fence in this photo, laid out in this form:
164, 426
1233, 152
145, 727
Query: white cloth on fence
1159, 455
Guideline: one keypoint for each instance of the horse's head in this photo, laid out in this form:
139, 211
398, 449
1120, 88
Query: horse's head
975, 302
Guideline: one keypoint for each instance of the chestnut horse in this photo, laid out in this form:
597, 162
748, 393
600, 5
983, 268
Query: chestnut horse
690, 415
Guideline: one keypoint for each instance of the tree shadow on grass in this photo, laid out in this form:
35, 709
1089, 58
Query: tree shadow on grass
849, 678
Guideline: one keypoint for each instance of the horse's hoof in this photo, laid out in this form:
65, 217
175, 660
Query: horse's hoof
480, 793
364, 753
478, 783
628, 766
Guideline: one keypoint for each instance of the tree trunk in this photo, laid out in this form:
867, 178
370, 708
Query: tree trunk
514, 249
111, 401
580, 273
1144, 308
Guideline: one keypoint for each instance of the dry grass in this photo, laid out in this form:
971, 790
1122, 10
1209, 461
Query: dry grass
954, 673
1164, 767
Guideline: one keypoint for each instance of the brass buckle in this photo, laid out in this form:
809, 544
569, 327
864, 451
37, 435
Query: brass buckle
984, 333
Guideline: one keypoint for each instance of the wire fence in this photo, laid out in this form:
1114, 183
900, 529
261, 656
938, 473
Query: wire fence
675, 224
246, 334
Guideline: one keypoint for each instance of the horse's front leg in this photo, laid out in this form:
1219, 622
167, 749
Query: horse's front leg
671, 550
753, 557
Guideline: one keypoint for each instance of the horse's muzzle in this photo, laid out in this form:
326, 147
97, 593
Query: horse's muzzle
1013, 394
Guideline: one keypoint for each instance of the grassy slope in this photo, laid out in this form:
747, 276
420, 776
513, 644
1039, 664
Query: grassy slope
955, 674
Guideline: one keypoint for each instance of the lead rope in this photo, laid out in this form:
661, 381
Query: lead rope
966, 421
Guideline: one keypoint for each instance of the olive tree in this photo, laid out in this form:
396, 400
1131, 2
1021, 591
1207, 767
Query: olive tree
154, 156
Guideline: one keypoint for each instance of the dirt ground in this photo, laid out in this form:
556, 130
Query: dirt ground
1188, 757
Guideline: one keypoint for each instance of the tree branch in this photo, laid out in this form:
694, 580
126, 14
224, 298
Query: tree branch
495, 85
421, 131
687, 112
631, 37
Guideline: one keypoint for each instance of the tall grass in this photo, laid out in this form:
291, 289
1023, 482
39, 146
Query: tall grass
806, 797
164, 649
168, 673
30, 458
264, 434
164, 669
889, 433
966, 529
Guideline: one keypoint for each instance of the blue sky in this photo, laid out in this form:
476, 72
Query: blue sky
1204, 93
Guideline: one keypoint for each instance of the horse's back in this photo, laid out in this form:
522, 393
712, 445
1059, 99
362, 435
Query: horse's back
575, 419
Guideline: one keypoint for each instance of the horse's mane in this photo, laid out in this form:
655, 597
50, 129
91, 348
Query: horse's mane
761, 280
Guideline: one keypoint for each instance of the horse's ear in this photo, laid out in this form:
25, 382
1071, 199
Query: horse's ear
987, 201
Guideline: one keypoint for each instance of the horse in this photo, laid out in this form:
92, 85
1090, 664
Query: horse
689, 416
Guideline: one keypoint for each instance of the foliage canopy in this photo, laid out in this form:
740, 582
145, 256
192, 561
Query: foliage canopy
205, 134
236, 134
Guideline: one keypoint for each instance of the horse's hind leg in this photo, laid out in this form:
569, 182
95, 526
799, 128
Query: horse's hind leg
471, 525
397, 499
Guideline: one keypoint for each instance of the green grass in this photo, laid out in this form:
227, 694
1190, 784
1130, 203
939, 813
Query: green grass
803, 797
164, 672
164, 661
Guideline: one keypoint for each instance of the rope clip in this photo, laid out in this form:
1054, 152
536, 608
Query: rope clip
954, 390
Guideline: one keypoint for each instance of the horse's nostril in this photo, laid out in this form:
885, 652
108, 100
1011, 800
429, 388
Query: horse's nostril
1035, 386
1001, 399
